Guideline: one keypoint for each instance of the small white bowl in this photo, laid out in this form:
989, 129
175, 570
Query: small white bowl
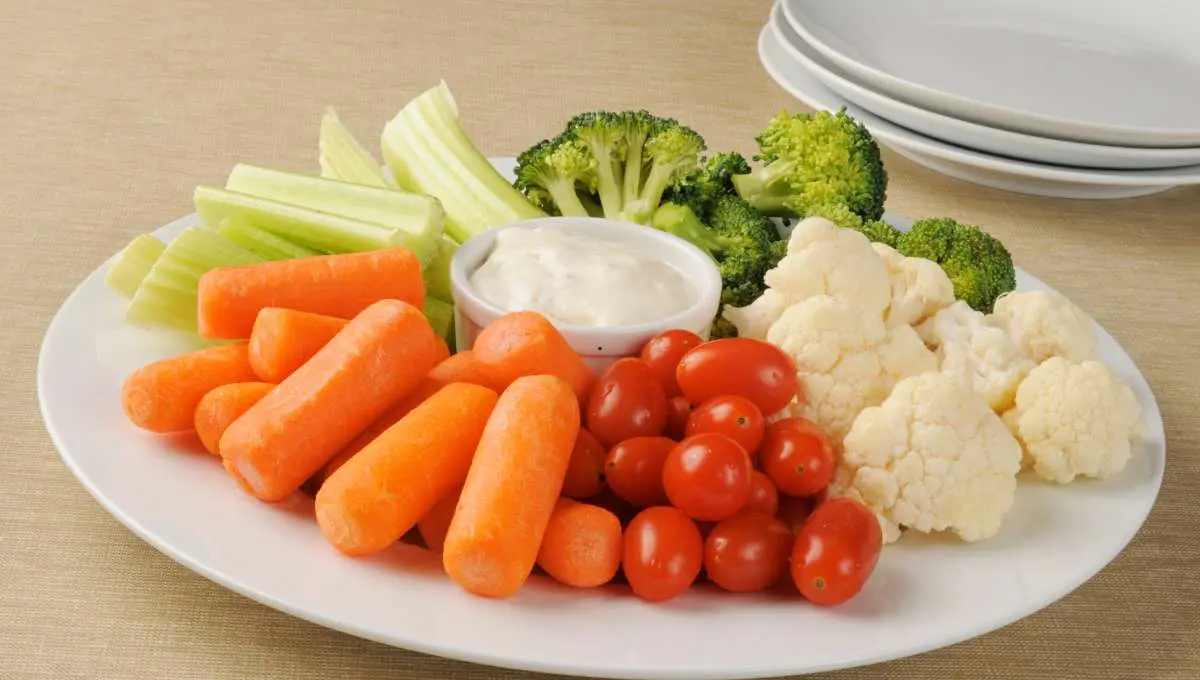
599, 346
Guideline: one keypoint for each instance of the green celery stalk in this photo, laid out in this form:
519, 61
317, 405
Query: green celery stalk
167, 296
440, 315
262, 243
133, 264
428, 152
313, 229
437, 274
343, 158
418, 215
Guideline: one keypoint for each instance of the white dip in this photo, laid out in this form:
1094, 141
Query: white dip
579, 280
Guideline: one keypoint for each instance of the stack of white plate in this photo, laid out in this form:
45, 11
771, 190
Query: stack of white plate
1071, 98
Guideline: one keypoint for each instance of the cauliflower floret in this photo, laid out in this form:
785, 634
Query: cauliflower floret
825, 259
919, 287
753, 320
932, 457
1044, 324
846, 359
1075, 419
983, 354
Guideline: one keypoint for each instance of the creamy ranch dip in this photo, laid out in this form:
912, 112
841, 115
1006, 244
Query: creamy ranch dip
579, 280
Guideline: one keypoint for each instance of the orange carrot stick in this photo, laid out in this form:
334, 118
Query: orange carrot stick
381, 493
526, 343
162, 396
230, 298
460, 368
223, 405
283, 339
582, 546
434, 525
512, 487
374, 361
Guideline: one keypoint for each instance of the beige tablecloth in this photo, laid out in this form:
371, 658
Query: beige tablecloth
113, 110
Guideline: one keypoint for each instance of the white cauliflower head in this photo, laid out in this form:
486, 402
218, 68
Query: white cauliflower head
919, 287
1044, 324
931, 457
846, 359
982, 354
825, 259
1075, 419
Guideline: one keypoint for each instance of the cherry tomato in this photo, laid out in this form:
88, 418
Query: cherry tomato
747, 552
836, 551
627, 401
663, 553
634, 470
708, 477
679, 409
735, 417
663, 352
794, 511
763, 495
585, 472
745, 367
798, 457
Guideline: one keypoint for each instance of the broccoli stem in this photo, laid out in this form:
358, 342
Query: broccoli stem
563, 193
607, 186
633, 168
757, 190
679, 220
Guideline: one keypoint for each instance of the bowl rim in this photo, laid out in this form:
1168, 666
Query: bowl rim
707, 278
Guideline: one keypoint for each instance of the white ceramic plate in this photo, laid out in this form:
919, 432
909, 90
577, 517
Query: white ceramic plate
926, 592
1099, 71
968, 164
972, 135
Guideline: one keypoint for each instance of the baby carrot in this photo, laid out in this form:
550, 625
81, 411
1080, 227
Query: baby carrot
223, 405
526, 343
434, 525
512, 487
380, 493
230, 298
582, 546
374, 361
283, 339
460, 367
162, 396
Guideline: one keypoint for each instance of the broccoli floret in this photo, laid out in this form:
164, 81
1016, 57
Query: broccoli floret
749, 238
839, 214
778, 252
639, 125
826, 158
700, 189
603, 133
737, 237
548, 174
634, 157
672, 150
977, 263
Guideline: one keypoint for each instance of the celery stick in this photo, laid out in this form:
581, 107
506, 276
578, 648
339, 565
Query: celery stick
314, 229
132, 265
428, 152
418, 215
262, 243
437, 274
440, 315
167, 296
343, 158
